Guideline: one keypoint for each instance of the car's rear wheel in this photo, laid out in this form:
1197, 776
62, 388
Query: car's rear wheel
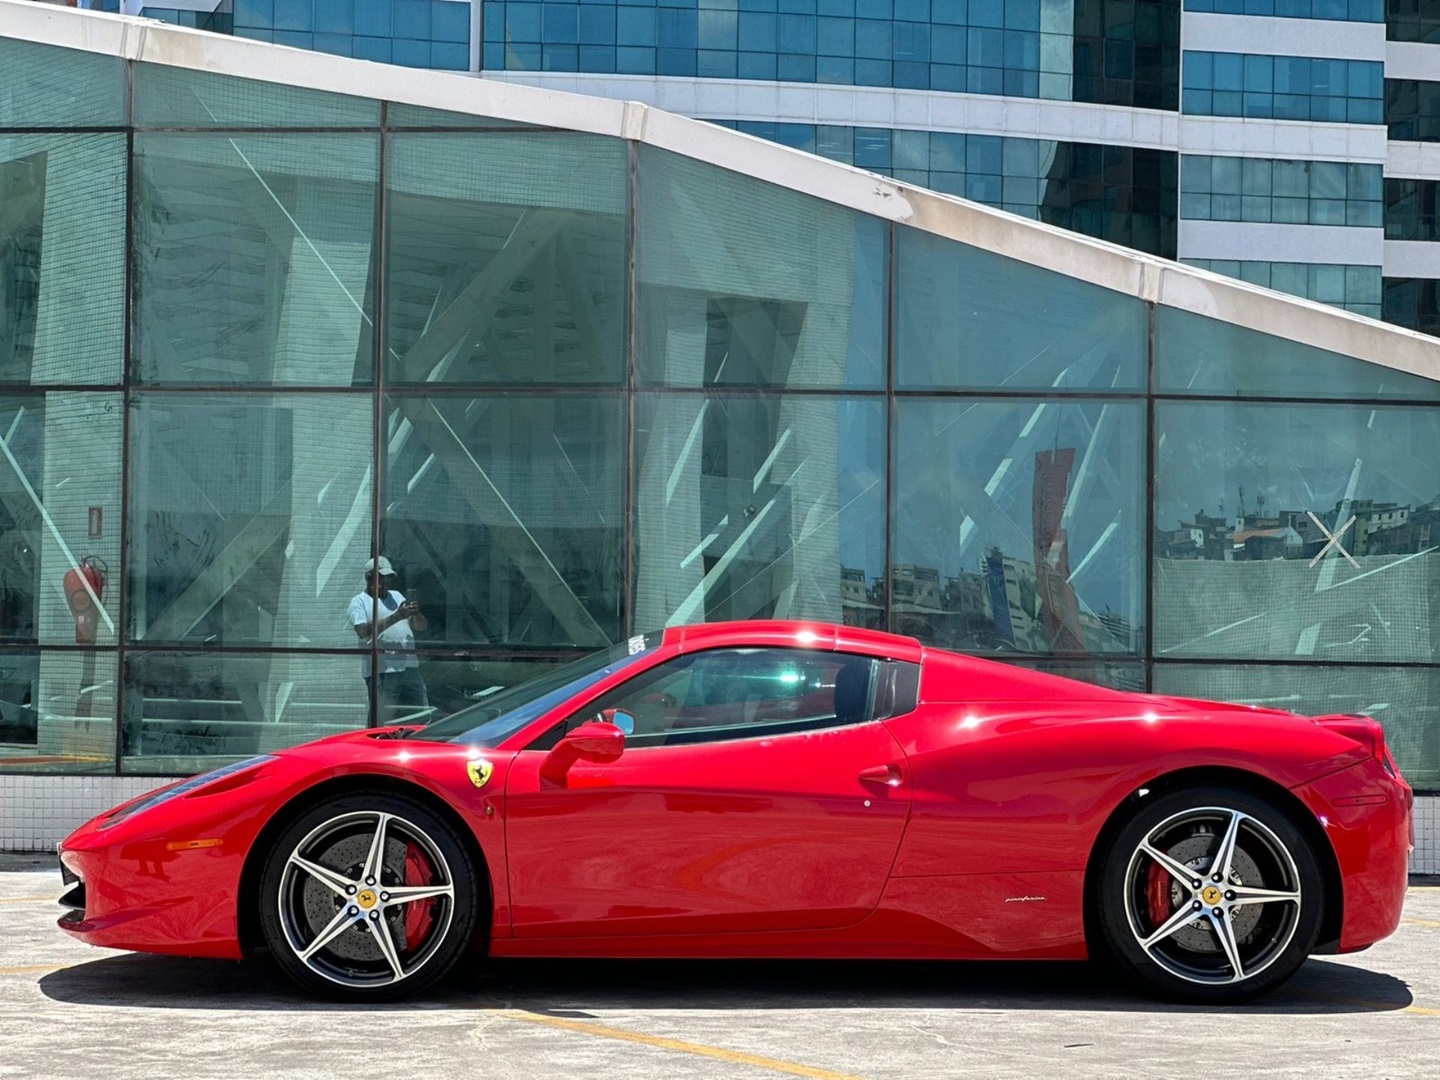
1210, 895
368, 897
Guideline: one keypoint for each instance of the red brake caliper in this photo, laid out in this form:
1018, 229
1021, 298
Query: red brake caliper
1157, 892
418, 871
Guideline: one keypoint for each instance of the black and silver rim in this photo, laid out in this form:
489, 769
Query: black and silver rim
366, 899
1212, 896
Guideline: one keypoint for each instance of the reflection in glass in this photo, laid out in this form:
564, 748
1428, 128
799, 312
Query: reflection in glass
400, 115
1117, 674
504, 516
57, 711
62, 258
1406, 700
757, 508
186, 712
173, 97
968, 319
745, 284
47, 86
59, 517
507, 258
1018, 525
1196, 355
457, 683
253, 259
250, 517
1304, 532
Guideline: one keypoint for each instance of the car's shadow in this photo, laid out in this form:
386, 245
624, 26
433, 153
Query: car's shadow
586, 988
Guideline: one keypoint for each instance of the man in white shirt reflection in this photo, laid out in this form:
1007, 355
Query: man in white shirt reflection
384, 613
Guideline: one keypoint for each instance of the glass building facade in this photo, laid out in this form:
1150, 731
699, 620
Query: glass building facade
577, 387
1069, 114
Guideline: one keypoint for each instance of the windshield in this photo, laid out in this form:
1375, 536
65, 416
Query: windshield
496, 718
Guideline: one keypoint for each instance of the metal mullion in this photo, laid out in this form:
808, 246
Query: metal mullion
122, 594
192, 649
245, 130
1148, 515
378, 338
629, 485
1222, 661
99, 129
243, 389
892, 294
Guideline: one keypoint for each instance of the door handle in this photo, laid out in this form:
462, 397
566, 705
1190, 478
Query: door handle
889, 775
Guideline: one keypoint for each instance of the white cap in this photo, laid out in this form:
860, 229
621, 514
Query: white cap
386, 570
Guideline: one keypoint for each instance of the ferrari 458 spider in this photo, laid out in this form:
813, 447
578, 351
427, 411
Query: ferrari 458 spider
773, 789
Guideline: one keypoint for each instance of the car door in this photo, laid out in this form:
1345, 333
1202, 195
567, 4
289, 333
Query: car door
756, 792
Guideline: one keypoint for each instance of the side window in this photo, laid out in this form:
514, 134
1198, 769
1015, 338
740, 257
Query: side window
737, 694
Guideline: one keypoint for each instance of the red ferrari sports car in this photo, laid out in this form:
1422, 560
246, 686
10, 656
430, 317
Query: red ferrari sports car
772, 789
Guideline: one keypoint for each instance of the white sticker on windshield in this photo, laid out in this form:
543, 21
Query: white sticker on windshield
636, 644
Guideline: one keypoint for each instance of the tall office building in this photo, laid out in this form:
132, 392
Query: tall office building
1290, 143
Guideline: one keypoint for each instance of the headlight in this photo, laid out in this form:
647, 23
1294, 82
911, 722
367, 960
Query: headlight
185, 787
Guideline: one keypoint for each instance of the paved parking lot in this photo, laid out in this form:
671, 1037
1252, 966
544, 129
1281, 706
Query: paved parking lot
67, 1010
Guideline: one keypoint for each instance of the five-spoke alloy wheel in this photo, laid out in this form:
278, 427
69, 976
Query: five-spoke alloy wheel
1210, 895
368, 897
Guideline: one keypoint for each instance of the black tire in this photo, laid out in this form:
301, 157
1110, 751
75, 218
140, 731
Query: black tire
325, 877
1142, 899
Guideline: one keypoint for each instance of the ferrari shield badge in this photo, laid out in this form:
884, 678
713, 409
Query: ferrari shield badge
479, 770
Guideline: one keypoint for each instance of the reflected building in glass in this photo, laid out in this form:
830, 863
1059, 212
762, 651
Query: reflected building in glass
581, 370
1287, 143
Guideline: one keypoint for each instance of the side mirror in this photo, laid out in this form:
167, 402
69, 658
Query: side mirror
597, 740
621, 719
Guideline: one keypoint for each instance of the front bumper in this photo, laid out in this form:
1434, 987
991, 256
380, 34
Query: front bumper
171, 902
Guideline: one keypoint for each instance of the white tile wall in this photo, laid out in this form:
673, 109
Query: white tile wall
37, 812
1426, 859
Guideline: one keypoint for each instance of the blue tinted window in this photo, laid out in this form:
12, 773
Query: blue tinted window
1282, 87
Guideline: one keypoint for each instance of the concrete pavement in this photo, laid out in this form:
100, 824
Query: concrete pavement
67, 1010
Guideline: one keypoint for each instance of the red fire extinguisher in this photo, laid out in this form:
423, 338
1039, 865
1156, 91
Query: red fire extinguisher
84, 589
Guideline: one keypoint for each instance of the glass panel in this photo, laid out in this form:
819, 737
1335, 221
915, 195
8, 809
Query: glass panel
1019, 525
455, 683
1196, 355
46, 86
1118, 675
1248, 499
758, 507
507, 258
250, 517
398, 115
59, 517
62, 258
972, 319
746, 284
187, 712
57, 711
505, 516
1405, 700
174, 97
254, 259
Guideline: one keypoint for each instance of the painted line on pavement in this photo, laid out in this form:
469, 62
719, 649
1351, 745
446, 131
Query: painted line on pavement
1420, 922
32, 969
734, 1057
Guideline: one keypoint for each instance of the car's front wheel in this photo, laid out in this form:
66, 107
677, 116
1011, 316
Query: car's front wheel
368, 897
1210, 895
